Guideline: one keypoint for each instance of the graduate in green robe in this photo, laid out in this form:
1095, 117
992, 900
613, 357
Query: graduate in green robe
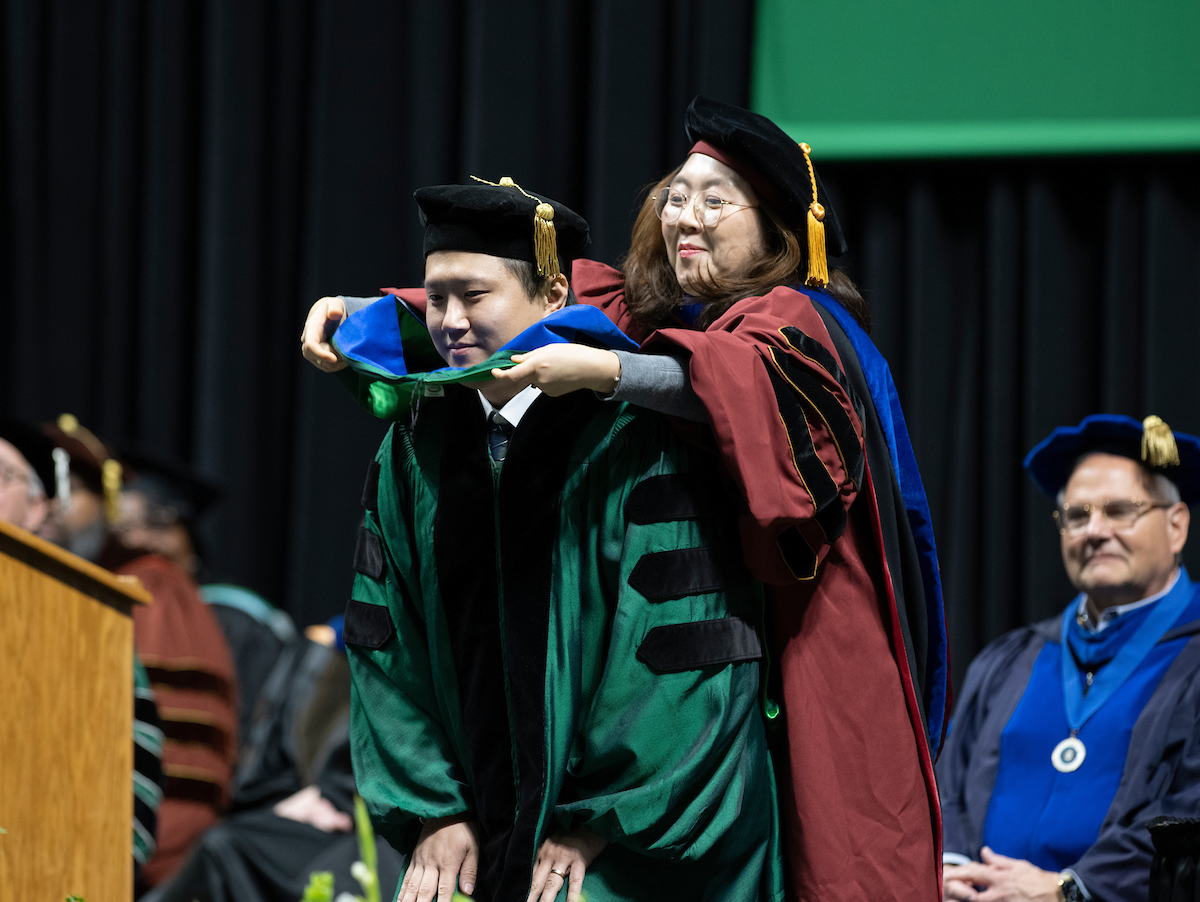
554, 645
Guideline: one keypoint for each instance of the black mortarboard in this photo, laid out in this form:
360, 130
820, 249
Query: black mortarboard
169, 483
501, 220
777, 168
37, 450
1150, 442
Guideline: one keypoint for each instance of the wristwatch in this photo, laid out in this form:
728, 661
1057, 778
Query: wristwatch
1068, 889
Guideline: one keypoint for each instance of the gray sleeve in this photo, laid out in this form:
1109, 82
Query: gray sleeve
658, 382
353, 305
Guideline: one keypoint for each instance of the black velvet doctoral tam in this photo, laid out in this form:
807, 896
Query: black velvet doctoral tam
497, 220
770, 160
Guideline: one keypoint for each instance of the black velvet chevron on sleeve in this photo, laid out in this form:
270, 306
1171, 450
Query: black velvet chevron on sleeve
689, 646
368, 554
826, 498
675, 496
661, 575
370, 494
797, 554
805, 344
830, 410
368, 625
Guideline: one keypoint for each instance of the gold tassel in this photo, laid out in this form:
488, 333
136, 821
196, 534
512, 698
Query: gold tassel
1158, 443
818, 266
545, 241
110, 478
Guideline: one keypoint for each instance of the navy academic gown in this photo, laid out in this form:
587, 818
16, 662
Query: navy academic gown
1161, 776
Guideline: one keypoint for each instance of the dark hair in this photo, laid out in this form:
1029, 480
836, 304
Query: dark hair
652, 291
533, 284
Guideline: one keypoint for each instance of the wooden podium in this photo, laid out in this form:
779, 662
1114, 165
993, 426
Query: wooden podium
66, 724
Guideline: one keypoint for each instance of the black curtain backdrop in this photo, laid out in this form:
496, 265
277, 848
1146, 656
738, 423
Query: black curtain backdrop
1011, 297
181, 181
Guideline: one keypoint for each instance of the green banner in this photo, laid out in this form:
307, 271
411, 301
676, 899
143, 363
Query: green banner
859, 79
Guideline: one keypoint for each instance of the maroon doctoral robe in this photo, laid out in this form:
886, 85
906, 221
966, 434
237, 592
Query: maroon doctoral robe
859, 800
191, 670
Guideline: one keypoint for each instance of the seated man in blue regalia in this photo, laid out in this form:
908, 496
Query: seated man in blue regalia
1073, 733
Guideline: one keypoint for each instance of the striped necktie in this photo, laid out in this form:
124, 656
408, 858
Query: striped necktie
500, 431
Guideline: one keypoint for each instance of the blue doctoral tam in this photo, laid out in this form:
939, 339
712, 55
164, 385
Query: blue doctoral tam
1150, 442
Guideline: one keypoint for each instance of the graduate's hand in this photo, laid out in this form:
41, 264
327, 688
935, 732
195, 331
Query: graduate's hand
323, 319
998, 878
308, 806
561, 368
448, 848
564, 853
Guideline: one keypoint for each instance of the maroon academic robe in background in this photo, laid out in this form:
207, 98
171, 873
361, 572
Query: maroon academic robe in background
859, 801
192, 674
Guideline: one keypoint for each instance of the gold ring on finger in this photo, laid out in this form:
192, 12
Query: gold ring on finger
560, 873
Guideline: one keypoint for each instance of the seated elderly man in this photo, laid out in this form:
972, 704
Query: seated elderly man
1073, 733
26, 475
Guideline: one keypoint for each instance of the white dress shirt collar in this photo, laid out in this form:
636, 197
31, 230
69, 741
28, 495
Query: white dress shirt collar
1108, 615
516, 406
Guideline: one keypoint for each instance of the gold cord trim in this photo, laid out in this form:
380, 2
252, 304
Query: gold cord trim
70, 424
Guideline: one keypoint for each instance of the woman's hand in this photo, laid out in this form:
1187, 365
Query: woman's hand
560, 368
323, 319
564, 858
448, 848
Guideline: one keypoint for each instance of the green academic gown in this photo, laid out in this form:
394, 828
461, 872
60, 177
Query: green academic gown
566, 639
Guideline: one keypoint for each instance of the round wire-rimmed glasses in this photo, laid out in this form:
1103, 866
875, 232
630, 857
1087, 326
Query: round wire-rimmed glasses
708, 206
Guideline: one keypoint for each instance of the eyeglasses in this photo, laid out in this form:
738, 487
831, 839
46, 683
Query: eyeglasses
1123, 513
708, 207
10, 474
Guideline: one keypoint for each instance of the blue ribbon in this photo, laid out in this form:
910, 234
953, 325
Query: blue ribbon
579, 323
1162, 616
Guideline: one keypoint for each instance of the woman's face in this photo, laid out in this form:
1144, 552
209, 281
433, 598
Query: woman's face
697, 253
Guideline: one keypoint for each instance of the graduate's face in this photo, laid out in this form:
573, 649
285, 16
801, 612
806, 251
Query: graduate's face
477, 305
700, 254
1119, 566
